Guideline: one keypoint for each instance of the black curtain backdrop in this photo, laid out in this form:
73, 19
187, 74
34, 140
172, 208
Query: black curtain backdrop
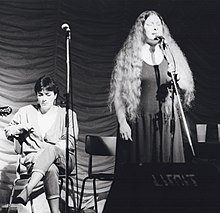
32, 43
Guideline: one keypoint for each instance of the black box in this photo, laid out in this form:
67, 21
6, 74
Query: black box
165, 188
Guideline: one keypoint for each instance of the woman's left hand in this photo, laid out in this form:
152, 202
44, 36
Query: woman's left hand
172, 71
125, 131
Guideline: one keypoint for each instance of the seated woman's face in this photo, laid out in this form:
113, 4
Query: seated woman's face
46, 99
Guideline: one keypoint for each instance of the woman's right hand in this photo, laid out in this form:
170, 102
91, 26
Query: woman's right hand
125, 130
24, 127
21, 128
16, 130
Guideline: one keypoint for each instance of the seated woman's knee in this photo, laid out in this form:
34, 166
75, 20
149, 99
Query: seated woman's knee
53, 170
54, 150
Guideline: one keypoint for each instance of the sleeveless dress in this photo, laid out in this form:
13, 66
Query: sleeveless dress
153, 139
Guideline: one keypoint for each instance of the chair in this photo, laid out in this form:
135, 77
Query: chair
62, 178
22, 174
97, 146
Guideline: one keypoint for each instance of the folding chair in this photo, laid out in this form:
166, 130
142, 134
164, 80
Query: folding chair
62, 178
97, 146
22, 174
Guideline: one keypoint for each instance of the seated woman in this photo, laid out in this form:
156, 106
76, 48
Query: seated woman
42, 130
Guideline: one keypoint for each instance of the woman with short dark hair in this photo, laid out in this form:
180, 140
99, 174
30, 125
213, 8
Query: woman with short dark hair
41, 129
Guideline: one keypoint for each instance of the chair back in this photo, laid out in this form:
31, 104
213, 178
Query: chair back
100, 145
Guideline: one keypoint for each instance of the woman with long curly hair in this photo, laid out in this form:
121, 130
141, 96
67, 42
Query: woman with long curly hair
143, 95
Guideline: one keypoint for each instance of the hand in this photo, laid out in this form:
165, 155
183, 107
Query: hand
172, 71
171, 68
125, 131
24, 127
16, 130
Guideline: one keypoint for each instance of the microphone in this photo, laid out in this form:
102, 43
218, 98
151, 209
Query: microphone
65, 27
162, 41
160, 38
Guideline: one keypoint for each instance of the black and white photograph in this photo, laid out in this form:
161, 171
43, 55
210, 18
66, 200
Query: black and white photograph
109, 106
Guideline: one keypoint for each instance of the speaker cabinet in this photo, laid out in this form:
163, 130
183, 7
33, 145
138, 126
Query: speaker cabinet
165, 188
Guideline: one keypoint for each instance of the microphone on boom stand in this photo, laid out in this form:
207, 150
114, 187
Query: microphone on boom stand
66, 28
174, 76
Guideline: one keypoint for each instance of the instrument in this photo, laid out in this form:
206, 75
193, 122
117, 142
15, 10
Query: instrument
5, 111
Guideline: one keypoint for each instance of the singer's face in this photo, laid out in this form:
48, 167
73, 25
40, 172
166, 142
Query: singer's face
46, 100
153, 27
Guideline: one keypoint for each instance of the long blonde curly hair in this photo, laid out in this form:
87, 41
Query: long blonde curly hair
128, 65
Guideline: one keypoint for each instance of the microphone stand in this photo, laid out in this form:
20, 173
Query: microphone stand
164, 47
68, 38
172, 123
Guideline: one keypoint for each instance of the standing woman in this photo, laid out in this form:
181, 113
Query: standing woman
141, 90
41, 129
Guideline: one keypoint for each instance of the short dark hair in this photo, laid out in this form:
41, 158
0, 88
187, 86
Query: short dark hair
47, 83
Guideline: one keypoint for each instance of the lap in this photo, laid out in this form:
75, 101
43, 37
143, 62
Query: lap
51, 153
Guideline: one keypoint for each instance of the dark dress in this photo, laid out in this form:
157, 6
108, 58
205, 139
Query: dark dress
151, 133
